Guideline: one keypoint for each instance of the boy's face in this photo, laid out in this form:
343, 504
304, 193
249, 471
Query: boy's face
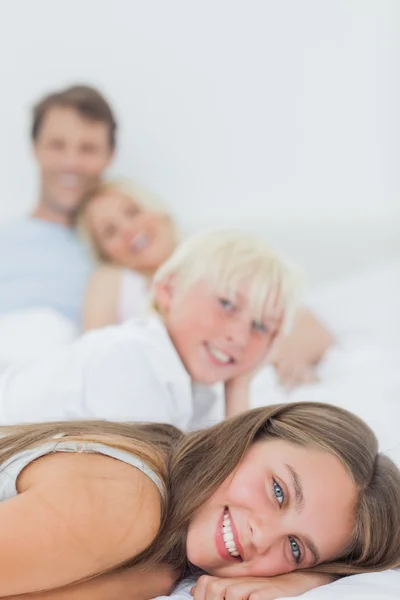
216, 338
72, 152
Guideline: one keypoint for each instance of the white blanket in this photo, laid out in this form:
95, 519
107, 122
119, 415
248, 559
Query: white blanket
27, 334
363, 379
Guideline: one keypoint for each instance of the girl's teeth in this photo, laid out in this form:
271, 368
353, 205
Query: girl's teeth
228, 536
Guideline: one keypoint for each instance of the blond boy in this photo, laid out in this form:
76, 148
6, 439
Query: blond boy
222, 298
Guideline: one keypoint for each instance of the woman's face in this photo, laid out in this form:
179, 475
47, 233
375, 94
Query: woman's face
128, 235
285, 507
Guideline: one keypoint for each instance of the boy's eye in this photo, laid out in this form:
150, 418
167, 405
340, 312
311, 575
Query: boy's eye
226, 304
295, 550
260, 327
131, 211
279, 493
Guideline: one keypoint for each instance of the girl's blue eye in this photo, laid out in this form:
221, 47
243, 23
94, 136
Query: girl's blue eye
279, 493
295, 550
260, 327
226, 304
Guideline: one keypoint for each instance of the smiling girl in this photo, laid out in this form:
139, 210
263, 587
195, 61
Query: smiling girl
284, 498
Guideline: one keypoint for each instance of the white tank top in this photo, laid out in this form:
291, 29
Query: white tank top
11, 468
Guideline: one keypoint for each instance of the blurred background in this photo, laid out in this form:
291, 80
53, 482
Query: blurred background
277, 116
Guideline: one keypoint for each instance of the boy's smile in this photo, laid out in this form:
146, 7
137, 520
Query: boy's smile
217, 338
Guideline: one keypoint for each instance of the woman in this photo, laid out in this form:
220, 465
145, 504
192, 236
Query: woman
130, 235
271, 491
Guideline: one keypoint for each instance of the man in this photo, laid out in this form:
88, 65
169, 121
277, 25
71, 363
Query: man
42, 263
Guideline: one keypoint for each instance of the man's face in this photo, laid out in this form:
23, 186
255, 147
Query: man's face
72, 151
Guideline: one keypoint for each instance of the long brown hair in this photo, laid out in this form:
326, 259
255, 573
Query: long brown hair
202, 460
194, 466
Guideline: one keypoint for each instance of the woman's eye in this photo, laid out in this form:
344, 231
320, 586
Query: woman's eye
295, 550
226, 304
279, 493
260, 327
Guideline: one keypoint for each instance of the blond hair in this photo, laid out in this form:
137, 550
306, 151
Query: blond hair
141, 197
228, 258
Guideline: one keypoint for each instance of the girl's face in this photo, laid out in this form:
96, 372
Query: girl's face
285, 507
127, 235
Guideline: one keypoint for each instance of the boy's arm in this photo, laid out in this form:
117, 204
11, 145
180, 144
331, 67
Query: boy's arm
237, 395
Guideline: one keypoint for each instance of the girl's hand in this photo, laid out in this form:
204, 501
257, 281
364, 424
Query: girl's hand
257, 588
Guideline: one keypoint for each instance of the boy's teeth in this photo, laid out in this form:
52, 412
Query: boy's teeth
219, 355
228, 536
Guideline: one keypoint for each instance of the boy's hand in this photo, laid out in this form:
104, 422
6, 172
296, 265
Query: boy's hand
257, 588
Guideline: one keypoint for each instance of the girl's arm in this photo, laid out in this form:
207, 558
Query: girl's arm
101, 299
124, 585
76, 515
262, 588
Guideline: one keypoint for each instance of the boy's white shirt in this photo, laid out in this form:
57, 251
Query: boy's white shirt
130, 372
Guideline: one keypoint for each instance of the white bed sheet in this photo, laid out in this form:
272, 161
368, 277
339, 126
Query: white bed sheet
27, 334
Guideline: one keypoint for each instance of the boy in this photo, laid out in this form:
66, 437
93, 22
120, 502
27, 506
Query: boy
222, 298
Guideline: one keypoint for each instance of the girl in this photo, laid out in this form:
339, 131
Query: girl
96, 510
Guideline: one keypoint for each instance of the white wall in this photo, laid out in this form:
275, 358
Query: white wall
243, 111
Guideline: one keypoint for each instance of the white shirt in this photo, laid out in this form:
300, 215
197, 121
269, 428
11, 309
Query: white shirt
130, 372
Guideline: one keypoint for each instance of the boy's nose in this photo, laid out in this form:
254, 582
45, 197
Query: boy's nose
239, 332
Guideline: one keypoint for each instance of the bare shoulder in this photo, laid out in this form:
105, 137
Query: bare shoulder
76, 515
101, 479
